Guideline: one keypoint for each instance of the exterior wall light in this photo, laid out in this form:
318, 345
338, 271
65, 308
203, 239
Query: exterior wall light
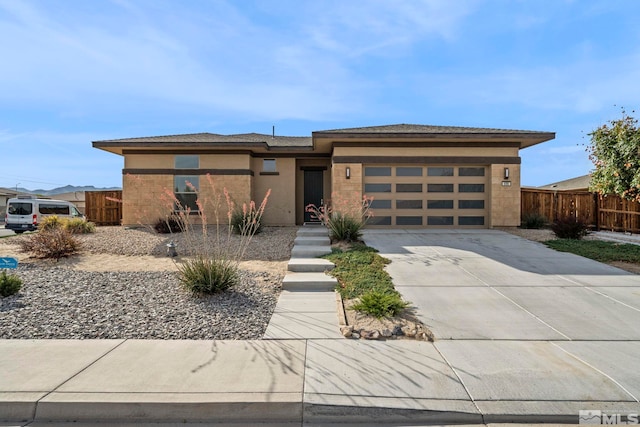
506, 173
348, 172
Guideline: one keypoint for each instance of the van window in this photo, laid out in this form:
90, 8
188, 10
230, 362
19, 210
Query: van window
48, 209
19, 208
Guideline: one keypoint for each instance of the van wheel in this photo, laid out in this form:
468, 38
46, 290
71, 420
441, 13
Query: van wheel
18, 232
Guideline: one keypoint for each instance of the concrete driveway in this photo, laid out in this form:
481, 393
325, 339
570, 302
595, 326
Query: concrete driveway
489, 284
520, 322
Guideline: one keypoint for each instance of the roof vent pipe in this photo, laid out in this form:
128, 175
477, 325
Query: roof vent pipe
273, 131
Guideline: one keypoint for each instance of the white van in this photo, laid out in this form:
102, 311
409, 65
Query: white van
23, 213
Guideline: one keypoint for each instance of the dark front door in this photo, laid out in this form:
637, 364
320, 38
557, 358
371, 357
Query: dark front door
313, 191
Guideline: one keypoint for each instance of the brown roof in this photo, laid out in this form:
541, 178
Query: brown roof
212, 139
429, 129
245, 140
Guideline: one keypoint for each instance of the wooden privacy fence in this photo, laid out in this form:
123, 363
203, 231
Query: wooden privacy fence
599, 212
104, 207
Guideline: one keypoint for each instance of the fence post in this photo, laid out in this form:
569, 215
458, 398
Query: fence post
596, 210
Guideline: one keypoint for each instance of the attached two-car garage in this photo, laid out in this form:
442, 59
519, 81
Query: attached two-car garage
428, 195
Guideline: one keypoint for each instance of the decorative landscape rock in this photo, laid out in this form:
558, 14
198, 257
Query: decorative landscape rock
368, 327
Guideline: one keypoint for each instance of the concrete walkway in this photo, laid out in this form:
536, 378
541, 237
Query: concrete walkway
517, 373
307, 306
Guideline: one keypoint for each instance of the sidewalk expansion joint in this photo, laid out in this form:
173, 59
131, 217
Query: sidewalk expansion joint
466, 389
53, 390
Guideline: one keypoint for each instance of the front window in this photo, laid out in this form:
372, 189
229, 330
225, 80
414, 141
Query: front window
187, 161
186, 189
269, 165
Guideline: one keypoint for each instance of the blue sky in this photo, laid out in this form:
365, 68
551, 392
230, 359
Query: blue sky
75, 71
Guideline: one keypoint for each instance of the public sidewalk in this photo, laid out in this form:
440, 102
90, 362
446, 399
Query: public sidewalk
294, 382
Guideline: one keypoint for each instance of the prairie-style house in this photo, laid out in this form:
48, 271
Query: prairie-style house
419, 176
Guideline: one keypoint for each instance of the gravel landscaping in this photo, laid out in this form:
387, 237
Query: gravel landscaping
59, 301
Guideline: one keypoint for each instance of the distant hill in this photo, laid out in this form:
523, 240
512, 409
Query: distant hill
66, 189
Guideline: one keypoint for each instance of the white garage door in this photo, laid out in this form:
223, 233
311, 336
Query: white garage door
428, 196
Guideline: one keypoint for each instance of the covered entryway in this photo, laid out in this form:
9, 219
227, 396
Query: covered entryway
433, 196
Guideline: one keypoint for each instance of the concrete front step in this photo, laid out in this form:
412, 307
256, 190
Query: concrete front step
313, 230
309, 251
310, 265
308, 282
312, 240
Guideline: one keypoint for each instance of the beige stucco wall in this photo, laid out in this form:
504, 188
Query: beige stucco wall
281, 206
505, 200
426, 151
207, 161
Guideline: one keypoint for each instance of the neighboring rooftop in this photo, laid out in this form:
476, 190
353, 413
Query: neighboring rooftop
577, 183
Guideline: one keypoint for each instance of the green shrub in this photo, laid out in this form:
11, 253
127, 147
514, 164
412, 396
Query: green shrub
79, 226
344, 228
569, 228
203, 275
380, 304
249, 222
53, 243
50, 222
170, 224
360, 270
9, 284
534, 221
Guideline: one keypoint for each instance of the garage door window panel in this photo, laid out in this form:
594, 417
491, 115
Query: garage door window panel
439, 220
440, 171
440, 188
471, 188
470, 204
377, 188
408, 220
471, 220
408, 188
380, 204
439, 204
377, 171
379, 220
408, 171
408, 204
471, 172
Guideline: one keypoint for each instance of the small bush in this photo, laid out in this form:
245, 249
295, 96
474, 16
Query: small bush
9, 284
249, 222
534, 221
50, 223
344, 228
79, 226
54, 243
203, 275
380, 304
569, 228
170, 224
73, 225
